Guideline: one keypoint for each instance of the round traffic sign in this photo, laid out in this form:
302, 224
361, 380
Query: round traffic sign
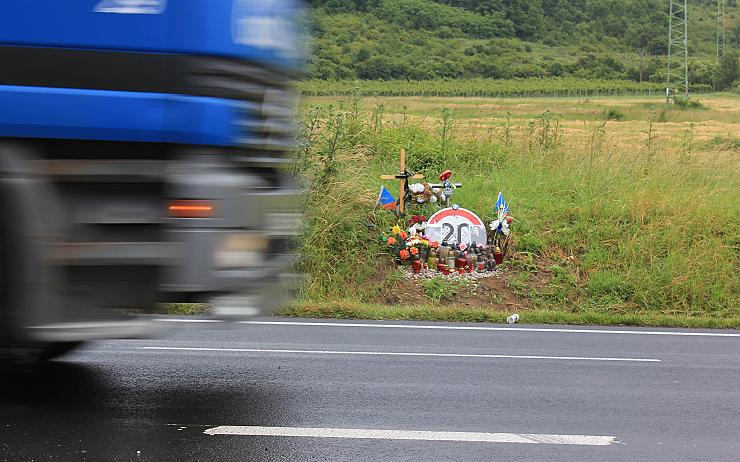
456, 225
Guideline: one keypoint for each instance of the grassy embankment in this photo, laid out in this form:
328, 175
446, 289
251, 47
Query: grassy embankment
626, 213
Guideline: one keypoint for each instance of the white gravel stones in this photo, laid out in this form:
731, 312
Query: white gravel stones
408, 273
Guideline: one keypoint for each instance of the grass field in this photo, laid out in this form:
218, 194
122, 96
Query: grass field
719, 116
624, 207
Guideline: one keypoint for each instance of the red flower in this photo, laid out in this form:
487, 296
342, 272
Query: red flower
414, 251
391, 240
434, 244
417, 219
403, 235
404, 254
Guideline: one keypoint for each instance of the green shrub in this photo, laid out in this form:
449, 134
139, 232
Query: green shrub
614, 114
683, 102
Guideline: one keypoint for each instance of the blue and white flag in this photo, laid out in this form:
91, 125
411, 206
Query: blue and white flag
502, 208
386, 199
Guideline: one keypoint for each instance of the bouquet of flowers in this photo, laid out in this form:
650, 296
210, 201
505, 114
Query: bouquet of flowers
396, 243
405, 247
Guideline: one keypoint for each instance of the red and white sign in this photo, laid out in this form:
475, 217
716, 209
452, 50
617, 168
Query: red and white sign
455, 225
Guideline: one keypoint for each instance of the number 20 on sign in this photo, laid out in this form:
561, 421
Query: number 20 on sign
456, 225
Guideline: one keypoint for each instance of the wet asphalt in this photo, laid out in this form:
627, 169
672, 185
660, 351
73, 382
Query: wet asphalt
116, 400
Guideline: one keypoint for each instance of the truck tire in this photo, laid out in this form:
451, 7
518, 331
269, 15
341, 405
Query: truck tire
19, 260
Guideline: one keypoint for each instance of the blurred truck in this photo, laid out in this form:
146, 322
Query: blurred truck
143, 146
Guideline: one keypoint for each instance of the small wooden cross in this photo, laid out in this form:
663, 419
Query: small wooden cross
403, 177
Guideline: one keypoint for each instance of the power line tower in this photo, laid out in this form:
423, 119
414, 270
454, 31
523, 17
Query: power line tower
677, 76
720, 29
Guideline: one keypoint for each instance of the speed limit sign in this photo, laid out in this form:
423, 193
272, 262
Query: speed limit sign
456, 225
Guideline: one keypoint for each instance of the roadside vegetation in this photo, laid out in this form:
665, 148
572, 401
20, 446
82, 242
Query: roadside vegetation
353, 310
626, 211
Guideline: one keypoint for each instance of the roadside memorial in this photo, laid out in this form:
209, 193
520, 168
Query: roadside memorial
453, 241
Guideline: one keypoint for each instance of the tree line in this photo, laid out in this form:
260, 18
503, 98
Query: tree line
504, 39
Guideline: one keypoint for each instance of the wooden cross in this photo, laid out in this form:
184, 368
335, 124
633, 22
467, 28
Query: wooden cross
403, 177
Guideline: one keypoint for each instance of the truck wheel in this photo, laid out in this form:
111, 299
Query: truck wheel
15, 347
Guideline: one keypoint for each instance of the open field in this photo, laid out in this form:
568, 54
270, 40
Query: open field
623, 207
720, 116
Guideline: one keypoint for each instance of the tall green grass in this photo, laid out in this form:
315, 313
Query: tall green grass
650, 228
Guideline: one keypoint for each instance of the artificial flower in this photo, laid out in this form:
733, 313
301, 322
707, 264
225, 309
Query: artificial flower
396, 229
404, 254
414, 251
500, 226
463, 246
417, 219
391, 240
403, 235
434, 244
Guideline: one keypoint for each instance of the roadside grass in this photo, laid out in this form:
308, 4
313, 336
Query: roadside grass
182, 308
349, 310
637, 216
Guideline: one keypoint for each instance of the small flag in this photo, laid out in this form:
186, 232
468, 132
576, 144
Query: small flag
386, 199
502, 208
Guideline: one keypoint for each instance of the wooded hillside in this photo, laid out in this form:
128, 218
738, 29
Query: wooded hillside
431, 39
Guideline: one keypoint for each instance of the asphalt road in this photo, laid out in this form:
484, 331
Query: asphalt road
300, 390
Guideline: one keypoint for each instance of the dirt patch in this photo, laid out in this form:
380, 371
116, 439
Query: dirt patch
488, 292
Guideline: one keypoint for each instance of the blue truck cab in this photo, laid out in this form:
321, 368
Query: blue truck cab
143, 151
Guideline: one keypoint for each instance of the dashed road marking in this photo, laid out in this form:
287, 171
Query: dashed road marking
364, 433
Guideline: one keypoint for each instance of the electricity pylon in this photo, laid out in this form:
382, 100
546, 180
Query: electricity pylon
677, 76
720, 29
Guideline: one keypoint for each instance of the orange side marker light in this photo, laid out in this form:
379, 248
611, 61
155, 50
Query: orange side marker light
191, 209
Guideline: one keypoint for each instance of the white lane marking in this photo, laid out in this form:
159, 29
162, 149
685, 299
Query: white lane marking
483, 328
396, 353
187, 320
362, 433
487, 328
